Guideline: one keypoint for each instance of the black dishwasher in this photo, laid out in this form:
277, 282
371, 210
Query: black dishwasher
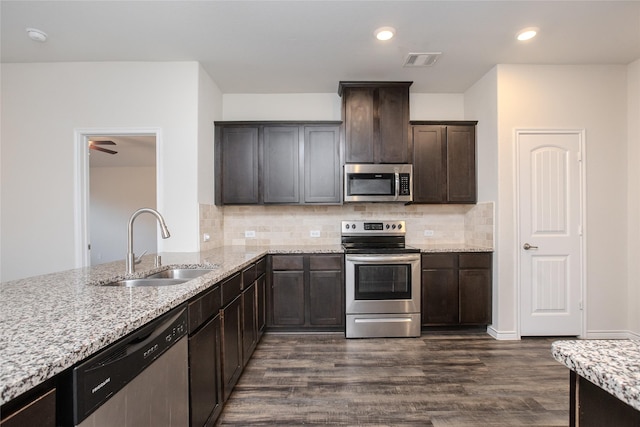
140, 380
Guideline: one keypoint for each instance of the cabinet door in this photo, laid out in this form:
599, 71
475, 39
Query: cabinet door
358, 110
249, 325
281, 170
287, 298
326, 301
429, 164
475, 296
231, 319
205, 391
240, 165
261, 311
393, 114
39, 412
439, 297
461, 164
322, 169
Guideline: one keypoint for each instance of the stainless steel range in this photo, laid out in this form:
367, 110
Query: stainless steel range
382, 280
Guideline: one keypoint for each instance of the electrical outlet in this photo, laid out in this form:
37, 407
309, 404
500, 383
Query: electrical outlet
314, 233
206, 237
249, 233
428, 233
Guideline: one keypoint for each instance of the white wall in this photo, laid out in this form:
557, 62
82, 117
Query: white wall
294, 106
42, 104
633, 220
571, 97
116, 192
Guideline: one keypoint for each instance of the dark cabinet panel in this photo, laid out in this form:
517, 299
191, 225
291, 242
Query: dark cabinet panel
261, 290
322, 168
231, 319
376, 120
239, 165
287, 298
444, 163
326, 305
461, 164
456, 289
281, 168
41, 412
249, 322
205, 385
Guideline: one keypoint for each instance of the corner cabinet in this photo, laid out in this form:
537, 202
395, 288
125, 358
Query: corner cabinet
278, 163
444, 162
306, 292
376, 121
456, 289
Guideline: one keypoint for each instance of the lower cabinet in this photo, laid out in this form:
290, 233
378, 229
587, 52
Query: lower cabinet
456, 289
306, 292
39, 411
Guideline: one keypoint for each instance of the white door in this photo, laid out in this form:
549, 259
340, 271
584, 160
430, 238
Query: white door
550, 231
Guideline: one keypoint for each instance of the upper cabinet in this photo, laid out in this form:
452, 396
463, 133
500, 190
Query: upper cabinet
444, 162
376, 121
278, 163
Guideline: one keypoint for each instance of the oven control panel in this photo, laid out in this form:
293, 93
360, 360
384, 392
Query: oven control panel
373, 227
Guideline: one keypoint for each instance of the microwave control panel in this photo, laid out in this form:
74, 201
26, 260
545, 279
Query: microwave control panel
405, 185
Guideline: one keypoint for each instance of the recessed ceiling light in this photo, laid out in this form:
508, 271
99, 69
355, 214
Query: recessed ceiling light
527, 33
36, 35
385, 33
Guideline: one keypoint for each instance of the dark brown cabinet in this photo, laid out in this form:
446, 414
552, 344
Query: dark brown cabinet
456, 289
306, 292
444, 162
376, 121
278, 163
39, 411
231, 326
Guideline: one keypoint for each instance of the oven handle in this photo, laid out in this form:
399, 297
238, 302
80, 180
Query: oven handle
383, 258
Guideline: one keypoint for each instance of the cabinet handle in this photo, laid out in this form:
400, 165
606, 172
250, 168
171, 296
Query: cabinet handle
527, 246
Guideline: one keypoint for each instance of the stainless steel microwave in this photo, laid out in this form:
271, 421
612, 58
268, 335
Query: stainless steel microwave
378, 183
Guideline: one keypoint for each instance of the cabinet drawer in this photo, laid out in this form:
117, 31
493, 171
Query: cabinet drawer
448, 260
249, 275
325, 262
287, 262
203, 308
475, 260
231, 288
261, 267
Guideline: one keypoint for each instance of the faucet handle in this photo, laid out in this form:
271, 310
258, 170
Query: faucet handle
138, 260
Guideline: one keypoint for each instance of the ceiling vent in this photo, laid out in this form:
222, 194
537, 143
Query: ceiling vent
422, 59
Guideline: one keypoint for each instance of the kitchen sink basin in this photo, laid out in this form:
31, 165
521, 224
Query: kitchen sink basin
180, 273
134, 283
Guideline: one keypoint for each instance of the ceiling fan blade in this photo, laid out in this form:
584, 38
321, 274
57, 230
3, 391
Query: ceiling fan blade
102, 143
105, 150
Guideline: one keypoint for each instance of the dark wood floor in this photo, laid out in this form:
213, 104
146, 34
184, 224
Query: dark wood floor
440, 379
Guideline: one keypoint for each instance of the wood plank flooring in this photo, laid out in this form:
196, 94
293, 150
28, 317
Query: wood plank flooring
440, 379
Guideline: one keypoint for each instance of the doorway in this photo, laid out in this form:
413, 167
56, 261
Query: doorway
550, 244
117, 175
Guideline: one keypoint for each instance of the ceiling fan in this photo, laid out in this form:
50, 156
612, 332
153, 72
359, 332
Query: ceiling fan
96, 145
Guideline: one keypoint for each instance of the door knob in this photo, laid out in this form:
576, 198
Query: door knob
527, 246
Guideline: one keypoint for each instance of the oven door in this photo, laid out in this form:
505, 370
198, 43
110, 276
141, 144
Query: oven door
382, 283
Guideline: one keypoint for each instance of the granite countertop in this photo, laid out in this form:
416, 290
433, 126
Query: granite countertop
613, 365
450, 247
53, 321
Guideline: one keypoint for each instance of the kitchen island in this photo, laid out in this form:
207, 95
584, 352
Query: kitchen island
605, 381
51, 322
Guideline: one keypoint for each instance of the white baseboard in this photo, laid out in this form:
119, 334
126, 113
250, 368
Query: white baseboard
611, 335
504, 335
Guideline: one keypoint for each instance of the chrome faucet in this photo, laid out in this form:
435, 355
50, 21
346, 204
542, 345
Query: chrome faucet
131, 258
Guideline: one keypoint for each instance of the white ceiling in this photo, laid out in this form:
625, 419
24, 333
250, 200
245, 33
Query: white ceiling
309, 46
132, 151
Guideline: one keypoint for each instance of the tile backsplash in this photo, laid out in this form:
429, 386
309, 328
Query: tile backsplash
282, 225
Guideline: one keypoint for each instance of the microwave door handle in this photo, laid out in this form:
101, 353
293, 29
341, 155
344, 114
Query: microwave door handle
397, 186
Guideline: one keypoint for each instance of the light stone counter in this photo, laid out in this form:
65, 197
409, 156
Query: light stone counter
613, 365
450, 247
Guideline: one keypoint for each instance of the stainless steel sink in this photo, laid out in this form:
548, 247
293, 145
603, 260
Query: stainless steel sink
180, 273
134, 283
